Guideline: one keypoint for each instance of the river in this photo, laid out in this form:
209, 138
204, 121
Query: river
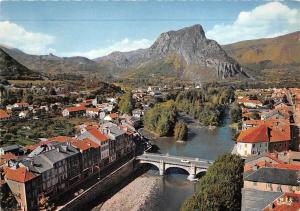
203, 143
151, 192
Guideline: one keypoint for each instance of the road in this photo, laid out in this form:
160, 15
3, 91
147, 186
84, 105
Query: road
177, 160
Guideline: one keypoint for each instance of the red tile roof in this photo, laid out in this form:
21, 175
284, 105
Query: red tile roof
49, 140
260, 133
254, 135
8, 156
20, 174
60, 139
3, 114
280, 133
76, 108
114, 115
85, 144
98, 135
285, 202
22, 104
286, 166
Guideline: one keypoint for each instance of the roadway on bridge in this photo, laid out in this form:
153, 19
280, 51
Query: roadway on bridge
183, 161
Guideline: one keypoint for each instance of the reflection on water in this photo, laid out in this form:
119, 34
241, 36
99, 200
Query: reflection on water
203, 143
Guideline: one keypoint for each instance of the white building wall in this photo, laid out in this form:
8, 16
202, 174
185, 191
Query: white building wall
247, 149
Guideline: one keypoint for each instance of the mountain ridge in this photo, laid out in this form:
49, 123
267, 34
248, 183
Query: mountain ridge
190, 45
185, 54
12, 69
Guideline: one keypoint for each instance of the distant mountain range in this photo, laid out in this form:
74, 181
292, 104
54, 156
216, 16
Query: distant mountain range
271, 58
185, 53
52, 64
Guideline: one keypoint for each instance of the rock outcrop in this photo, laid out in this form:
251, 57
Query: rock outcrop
190, 44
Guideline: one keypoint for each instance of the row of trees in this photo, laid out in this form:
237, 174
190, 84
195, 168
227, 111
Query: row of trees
161, 119
206, 105
126, 104
220, 188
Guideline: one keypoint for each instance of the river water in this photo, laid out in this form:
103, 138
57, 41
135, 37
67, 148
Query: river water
202, 143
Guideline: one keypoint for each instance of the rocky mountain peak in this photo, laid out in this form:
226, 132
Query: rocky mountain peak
191, 47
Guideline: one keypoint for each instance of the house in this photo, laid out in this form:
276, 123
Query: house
93, 112
120, 141
90, 156
275, 114
264, 138
24, 114
111, 117
249, 103
99, 138
287, 201
14, 149
253, 141
4, 116
20, 180
58, 164
21, 106
257, 200
251, 123
74, 111
31, 148
273, 179
87, 126
137, 113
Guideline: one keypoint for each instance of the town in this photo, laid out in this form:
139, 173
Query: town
269, 143
267, 138
46, 168
149, 105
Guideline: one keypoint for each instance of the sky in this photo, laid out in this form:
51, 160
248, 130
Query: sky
97, 28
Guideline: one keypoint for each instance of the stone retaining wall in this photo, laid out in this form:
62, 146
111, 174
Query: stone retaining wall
105, 184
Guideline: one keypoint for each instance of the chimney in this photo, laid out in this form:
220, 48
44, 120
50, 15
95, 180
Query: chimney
269, 134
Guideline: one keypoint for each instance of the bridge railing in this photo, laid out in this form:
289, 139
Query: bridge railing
177, 157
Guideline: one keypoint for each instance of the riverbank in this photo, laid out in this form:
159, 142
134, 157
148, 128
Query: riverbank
137, 195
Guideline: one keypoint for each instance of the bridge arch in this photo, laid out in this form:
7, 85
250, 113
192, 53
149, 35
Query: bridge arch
200, 173
181, 170
153, 164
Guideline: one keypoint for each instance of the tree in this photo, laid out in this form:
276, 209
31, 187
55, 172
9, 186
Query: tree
181, 131
52, 91
161, 118
29, 98
236, 114
126, 103
254, 115
220, 188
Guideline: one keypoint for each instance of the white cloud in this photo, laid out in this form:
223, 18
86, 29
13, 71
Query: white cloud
267, 20
16, 36
123, 46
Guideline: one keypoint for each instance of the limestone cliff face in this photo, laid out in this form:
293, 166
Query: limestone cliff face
190, 44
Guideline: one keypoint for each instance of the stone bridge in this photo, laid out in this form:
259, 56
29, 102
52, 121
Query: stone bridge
163, 162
